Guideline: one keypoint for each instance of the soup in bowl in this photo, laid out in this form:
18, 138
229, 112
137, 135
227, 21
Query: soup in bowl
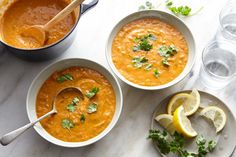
79, 121
17, 16
151, 50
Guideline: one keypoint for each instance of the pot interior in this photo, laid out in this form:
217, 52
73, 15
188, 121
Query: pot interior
4, 4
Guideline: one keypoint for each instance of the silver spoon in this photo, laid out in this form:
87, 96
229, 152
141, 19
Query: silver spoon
11, 136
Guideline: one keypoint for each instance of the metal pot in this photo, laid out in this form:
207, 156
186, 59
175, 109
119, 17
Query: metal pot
51, 51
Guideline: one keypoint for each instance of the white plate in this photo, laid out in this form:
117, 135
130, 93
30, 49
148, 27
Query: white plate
226, 139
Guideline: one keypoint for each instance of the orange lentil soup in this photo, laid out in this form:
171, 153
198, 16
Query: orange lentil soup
77, 119
24, 13
149, 52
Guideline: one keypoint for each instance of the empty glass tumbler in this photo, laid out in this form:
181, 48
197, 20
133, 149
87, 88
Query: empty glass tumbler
227, 29
218, 64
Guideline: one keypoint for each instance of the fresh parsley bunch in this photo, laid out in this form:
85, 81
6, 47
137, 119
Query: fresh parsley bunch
175, 144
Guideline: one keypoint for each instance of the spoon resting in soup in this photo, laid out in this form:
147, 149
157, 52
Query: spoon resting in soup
24, 13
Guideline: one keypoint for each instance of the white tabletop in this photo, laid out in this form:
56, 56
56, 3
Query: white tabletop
128, 138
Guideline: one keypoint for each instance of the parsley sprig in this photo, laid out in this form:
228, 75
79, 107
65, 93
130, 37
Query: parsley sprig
90, 94
138, 62
175, 144
92, 108
67, 124
148, 5
143, 42
167, 52
72, 106
64, 77
180, 10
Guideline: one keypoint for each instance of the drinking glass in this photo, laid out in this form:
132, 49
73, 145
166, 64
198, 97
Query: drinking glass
227, 18
218, 64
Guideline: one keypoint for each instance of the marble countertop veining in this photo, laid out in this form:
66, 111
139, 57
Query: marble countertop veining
128, 137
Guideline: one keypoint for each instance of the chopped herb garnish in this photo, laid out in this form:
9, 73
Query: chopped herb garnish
211, 145
148, 66
92, 92
141, 7
165, 62
175, 144
64, 77
156, 73
92, 108
82, 118
167, 52
181, 10
136, 48
67, 124
143, 42
148, 5
152, 37
72, 106
138, 62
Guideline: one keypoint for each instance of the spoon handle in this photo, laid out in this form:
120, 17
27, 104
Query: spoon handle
62, 14
9, 137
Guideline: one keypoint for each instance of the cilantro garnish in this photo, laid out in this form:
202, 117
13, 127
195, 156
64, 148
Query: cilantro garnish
67, 124
92, 92
65, 77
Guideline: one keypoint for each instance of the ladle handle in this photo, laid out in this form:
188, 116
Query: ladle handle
11, 136
62, 14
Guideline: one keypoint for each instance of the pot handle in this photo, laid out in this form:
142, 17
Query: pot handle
85, 7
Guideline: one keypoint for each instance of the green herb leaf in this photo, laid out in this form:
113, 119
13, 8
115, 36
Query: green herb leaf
138, 62
156, 73
201, 140
64, 77
161, 139
72, 106
92, 92
169, 3
141, 7
148, 5
145, 45
152, 37
181, 10
92, 108
165, 51
165, 62
82, 118
67, 124
175, 144
143, 42
211, 145
136, 48
148, 67
75, 100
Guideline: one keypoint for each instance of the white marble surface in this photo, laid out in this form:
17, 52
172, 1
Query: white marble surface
128, 138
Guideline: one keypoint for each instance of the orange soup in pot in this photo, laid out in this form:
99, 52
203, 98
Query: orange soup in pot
77, 119
22, 14
149, 52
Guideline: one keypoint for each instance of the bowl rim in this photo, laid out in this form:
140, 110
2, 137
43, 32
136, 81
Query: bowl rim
89, 141
159, 87
35, 50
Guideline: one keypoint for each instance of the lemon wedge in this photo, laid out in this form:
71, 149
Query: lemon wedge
166, 121
216, 115
190, 102
182, 123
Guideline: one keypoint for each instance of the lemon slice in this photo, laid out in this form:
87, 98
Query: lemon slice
216, 115
182, 123
190, 102
166, 121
